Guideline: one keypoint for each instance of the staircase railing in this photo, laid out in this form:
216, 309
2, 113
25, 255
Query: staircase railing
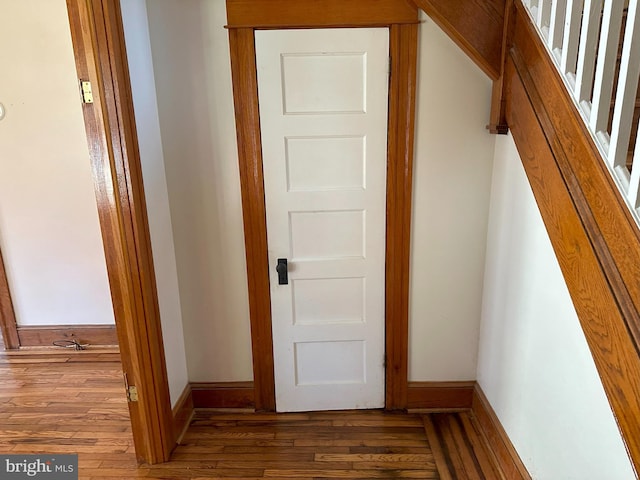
595, 45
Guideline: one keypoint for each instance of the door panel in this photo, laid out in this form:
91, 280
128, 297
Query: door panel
323, 112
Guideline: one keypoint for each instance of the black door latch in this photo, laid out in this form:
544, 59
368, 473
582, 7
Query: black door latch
283, 272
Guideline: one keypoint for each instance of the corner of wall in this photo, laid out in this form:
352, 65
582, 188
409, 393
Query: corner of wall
452, 175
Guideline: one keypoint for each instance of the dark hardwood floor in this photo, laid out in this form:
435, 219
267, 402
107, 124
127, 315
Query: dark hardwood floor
73, 402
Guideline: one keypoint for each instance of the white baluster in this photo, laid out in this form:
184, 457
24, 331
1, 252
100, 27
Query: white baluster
587, 51
556, 28
543, 17
626, 95
571, 40
606, 65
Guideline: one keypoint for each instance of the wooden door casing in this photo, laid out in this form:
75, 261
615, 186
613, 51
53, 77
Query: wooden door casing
98, 43
245, 16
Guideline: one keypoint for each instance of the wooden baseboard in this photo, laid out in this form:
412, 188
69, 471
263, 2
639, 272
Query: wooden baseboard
223, 395
44, 336
440, 395
182, 413
422, 395
505, 454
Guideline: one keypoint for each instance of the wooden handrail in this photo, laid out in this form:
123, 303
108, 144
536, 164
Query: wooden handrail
596, 48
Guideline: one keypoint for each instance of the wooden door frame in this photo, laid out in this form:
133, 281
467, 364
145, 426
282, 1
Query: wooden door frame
100, 56
8, 324
401, 17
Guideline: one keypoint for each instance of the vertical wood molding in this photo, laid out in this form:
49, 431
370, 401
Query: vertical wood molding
246, 15
497, 116
245, 91
98, 40
7, 313
402, 93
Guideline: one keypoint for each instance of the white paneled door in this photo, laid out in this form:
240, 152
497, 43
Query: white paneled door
323, 113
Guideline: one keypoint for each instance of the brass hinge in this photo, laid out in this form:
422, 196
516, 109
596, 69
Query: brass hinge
87, 92
132, 390
132, 393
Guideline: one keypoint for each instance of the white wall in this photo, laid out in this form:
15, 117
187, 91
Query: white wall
49, 230
452, 181
193, 81
136, 29
534, 364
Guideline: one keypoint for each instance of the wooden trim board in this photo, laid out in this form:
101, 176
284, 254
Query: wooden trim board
403, 47
318, 14
244, 16
497, 117
44, 336
476, 26
500, 445
7, 313
223, 395
440, 395
245, 91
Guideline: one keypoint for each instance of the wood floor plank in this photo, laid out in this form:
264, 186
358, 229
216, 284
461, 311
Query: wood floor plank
463, 446
443, 464
485, 460
290, 456
278, 450
369, 474
355, 442
375, 457
60, 404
